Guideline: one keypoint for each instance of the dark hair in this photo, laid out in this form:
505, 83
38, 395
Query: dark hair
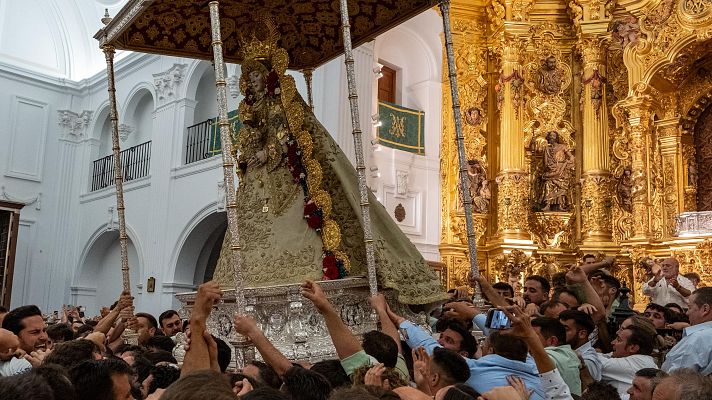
58, 380
545, 286
151, 319
456, 394
640, 337
199, 385
504, 286
549, 304
13, 319
163, 376
509, 347
381, 347
609, 280
239, 376
650, 373
25, 387
467, 389
158, 356
667, 313
551, 327
589, 255
691, 385
303, 384
560, 291
135, 349
333, 372
71, 353
600, 391
580, 318
83, 331
452, 367
165, 315
142, 367
468, 344
264, 393
364, 392
558, 280
3, 309
60, 333
692, 275
703, 296
268, 375
160, 343
93, 378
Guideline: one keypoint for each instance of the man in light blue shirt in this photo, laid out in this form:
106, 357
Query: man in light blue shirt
505, 356
694, 350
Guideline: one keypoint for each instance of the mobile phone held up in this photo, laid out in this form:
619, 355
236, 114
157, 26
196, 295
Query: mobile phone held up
497, 319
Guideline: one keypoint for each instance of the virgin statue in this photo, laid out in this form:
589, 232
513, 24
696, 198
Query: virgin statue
558, 168
298, 203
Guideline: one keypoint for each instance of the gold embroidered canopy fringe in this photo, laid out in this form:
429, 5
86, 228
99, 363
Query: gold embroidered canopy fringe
310, 29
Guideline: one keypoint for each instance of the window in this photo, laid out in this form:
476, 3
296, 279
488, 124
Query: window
387, 85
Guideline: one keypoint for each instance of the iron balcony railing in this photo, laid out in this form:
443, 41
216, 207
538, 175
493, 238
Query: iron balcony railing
136, 163
202, 142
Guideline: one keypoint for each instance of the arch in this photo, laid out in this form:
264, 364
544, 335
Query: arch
138, 114
97, 280
196, 70
95, 126
195, 244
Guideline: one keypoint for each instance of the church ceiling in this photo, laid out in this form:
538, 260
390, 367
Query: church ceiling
310, 28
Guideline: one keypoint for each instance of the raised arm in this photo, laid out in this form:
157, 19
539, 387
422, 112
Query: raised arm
245, 325
495, 298
606, 262
577, 275
197, 357
105, 324
345, 342
380, 306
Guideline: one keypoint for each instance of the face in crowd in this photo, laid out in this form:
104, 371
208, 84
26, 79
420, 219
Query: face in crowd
172, 325
534, 293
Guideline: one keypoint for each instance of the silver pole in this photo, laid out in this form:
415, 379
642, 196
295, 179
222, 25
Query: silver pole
464, 180
129, 335
358, 145
244, 350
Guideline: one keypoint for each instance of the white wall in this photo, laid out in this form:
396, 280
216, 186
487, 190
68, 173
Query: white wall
67, 249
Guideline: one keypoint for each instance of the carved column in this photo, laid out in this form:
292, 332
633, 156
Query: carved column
596, 201
637, 126
671, 151
511, 180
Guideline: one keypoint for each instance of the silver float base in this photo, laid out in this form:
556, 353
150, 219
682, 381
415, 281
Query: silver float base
291, 322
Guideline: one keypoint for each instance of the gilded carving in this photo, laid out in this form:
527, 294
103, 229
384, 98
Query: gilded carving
552, 229
547, 267
510, 267
520, 10
625, 30
512, 201
596, 205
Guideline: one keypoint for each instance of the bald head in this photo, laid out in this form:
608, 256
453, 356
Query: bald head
670, 267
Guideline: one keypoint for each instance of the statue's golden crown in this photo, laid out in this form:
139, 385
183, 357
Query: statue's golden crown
252, 48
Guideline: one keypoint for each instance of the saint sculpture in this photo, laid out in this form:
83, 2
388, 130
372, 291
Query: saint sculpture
558, 165
298, 203
549, 77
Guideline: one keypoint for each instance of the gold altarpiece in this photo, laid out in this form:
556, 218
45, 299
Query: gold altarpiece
625, 86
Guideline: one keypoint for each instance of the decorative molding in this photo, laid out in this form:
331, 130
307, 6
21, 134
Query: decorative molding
125, 131
401, 183
37, 200
28, 136
233, 86
694, 223
168, 83
222, 198
73, 124
112, 224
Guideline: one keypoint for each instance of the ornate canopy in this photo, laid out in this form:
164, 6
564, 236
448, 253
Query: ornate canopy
310, 29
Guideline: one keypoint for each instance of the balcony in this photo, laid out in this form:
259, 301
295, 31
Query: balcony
203, 141
136, 163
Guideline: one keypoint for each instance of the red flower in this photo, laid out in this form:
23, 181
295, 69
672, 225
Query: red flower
310, 208
331, 271
314, 221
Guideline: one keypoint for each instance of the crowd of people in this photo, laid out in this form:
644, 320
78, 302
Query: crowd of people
561, 338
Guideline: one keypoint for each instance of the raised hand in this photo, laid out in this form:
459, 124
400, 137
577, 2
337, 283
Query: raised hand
125, 301
576, 275
208, 294
521, 323
245, 325
421, 369
518, 384
460, 310
242, 387
587, 308
374, 377
378, 303
312, 291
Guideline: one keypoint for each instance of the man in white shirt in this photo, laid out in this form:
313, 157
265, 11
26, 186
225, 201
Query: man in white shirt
631, 352
693, 351
668, 286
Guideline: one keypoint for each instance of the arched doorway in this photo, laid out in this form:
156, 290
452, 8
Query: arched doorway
199, 254
99, 282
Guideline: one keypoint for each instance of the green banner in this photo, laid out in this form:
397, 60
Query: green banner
215, 142
401, 128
